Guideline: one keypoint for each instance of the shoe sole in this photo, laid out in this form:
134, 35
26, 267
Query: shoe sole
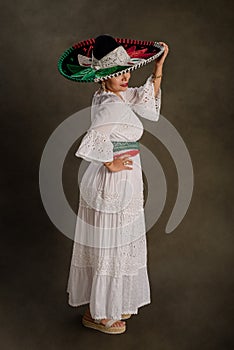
99, 327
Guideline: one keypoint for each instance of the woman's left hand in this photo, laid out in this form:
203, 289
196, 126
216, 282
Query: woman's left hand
159, 62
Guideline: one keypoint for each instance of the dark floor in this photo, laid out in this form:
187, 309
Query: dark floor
190, 270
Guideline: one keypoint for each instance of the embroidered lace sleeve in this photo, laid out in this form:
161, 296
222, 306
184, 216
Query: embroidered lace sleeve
96, 145
143, 101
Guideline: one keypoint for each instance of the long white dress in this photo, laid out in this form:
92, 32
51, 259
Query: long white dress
109, 259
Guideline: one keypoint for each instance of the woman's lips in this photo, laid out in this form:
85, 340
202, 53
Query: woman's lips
124, 85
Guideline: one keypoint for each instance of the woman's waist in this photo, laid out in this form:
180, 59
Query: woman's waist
125, 147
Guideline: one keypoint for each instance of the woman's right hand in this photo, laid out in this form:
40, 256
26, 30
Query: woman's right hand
160, 60
120, 163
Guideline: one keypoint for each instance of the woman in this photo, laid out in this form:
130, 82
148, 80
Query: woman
109, 260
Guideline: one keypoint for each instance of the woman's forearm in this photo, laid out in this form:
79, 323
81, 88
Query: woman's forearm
157, 78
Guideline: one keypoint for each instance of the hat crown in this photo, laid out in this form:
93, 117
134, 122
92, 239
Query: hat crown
103, 45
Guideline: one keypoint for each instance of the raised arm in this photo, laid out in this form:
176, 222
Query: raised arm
145, 100
158, 68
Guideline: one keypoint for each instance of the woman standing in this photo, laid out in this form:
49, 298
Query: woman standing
109, 260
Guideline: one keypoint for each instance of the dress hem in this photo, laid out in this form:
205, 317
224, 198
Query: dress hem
135, 312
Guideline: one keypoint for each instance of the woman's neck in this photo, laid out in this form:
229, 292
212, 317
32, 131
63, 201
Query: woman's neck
118, 94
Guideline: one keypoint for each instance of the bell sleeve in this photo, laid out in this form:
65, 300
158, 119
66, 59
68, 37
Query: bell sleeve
96, 145
143, 101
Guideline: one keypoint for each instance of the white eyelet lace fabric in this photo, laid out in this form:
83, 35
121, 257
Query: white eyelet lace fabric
117, 57
96, 146
109, 259
115, 262
143, 101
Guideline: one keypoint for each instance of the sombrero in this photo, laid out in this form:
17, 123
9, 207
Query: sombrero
104, 57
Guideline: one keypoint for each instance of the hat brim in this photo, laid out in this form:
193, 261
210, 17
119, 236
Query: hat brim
68, 65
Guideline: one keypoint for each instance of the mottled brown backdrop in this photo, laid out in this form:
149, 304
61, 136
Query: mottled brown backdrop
190, 270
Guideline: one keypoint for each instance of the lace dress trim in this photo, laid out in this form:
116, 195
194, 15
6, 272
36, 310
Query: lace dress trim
143, 100
115, 262
96, 146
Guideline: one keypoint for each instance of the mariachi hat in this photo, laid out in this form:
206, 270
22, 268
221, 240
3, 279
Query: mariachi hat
104, 57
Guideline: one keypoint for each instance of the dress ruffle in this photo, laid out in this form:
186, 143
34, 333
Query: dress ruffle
96, 146
125, 294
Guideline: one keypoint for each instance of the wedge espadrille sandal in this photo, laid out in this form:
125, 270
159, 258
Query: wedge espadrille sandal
87, 321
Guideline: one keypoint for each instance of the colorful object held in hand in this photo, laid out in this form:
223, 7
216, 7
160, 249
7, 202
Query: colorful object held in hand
78, 63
